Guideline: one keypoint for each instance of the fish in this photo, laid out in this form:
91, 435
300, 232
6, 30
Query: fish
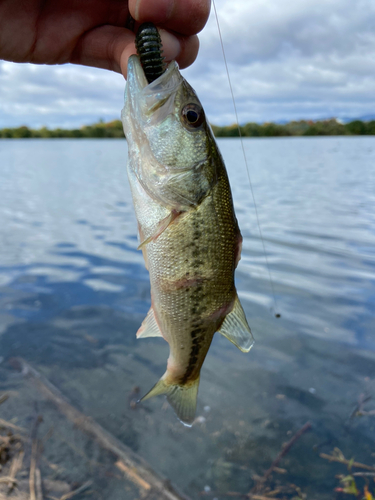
188, 230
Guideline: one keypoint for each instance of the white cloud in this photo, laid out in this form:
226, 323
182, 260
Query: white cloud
67, 96
287, 60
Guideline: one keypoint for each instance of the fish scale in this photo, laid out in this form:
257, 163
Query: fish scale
187, 226
193, 258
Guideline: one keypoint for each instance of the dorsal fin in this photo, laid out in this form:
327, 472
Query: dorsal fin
236, 329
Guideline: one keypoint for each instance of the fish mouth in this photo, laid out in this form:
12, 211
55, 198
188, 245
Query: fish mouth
151, 101
136, 76
168, 81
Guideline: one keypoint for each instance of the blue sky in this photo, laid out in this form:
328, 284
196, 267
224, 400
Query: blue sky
287, 60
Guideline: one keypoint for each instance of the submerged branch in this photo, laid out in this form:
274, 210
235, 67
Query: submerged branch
137, 469
79, 490
286, 447
35, 476
337, 456
3, 398
15, 467
9, 425
256, 492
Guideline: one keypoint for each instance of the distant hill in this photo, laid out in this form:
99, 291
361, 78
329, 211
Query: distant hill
113, 129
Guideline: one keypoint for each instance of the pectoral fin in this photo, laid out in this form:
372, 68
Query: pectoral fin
149, 326
162, 226
236, 329
144, 249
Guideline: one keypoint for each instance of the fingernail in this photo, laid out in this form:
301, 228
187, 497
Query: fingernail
171, 45
136, 9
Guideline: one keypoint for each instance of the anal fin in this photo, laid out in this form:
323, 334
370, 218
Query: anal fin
149, 326
236, 329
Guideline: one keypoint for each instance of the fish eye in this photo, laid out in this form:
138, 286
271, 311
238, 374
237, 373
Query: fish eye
193, 115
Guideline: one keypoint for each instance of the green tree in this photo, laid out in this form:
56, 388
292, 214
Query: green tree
357, 127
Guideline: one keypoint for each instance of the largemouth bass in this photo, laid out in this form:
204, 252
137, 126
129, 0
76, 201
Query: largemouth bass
188, 230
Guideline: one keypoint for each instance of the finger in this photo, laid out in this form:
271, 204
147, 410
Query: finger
187, 17
109, 47
102, 47
189, 51
187, 47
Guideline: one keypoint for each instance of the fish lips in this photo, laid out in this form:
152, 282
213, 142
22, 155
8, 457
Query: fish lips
151, 102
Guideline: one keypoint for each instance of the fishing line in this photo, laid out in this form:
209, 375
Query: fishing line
277, 315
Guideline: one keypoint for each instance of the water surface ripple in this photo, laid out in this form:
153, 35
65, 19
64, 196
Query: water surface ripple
74, 290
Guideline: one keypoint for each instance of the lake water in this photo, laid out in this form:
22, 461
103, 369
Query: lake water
74, 290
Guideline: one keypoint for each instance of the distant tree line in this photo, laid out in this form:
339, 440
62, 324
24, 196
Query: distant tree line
298, 128
114, 129
99, 130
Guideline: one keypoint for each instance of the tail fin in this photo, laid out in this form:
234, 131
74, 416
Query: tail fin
182, 398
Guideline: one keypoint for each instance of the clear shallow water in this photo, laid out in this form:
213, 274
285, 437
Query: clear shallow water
74, 290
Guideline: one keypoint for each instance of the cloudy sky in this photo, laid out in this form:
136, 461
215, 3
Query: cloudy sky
288, 59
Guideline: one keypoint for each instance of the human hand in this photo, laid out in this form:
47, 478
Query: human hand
93, 33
